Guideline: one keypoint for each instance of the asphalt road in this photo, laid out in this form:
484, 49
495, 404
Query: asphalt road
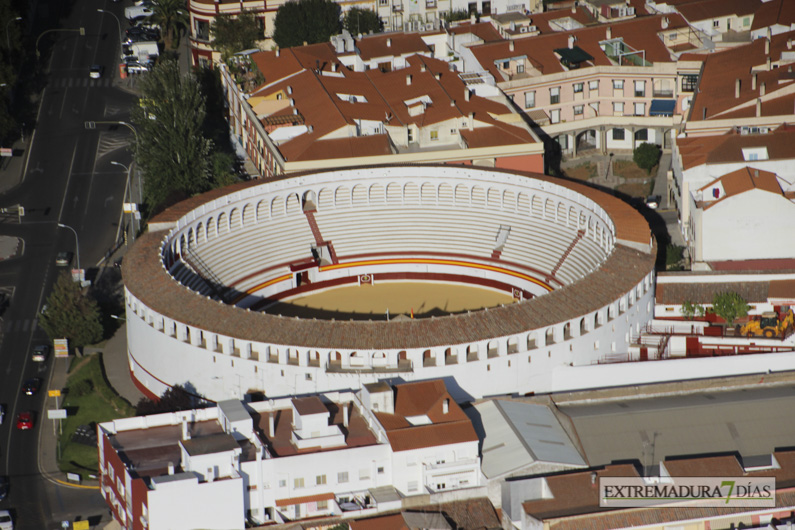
69, 180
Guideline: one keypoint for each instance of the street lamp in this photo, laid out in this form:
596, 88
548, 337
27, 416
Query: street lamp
127, 193
114, 16
82, 31
77, 242
8, 37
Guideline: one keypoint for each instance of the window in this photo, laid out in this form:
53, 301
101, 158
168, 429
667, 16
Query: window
642, 135
520, 68
282, 483
506, 65
364, 474
672, 36
689, 82
410, 134
716, 23
640, 109
320, 480
529, 100
578, 110
322, 505
746, 21
618, 107
554, 116
383, 2
434, 135
593, 85
554, 96
578, 87
342, 477
380, 470
618, 134
413, 486
618, 84
298, 483
640, 89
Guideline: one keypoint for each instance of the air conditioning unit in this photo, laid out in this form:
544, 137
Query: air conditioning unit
429, 26
532, 28
523, 29
631, 11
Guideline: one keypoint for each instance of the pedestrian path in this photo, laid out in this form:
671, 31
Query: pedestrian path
22, 325
79, 82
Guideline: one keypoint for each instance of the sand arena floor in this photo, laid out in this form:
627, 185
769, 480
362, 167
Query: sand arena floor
360, 302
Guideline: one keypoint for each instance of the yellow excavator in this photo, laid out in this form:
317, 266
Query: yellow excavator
768, 325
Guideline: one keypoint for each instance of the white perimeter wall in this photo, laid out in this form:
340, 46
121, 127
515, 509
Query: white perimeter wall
188, 505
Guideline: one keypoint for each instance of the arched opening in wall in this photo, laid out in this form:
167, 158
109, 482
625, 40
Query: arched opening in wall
411, 193
450, 357
611, 312
248, 215
537, 204
622, 305
394, 193
445, 195
262, 211
567, 331
211, 229
334, 360
403, 360
513, 345
582, 223
509, 200
343, 197
292, 356
583, 326
293, 204
428, 193
201, 236
191, 239
325, 199
356, 359
309, 201
494, 201
235, 219
379, 359
561, 216
462, 195
277, 207
359, 196
523, 203
549, 209
549, 336
478, 196
428, 358
493, 349
273, 354
531, 341
586, 140
314, 358
223, 223
183, 245
472, 353
572, 220
598, 319
377, 193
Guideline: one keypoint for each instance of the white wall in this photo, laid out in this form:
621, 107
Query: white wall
188, 504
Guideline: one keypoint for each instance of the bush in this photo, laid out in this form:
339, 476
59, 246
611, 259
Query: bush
81, 388
646, 156
729, 306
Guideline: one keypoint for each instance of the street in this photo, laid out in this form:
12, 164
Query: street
69, 180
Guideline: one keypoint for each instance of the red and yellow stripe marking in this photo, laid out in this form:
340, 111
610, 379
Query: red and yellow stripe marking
262, 286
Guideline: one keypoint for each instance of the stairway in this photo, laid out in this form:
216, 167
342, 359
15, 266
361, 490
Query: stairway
580, 234
310, 218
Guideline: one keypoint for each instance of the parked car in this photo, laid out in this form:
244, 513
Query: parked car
63, 259
24, 421
31, 386
6, 523
95, 71
39, 353
653, 201
134, 67
3, 488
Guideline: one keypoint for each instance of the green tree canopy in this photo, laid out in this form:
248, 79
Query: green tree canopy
691, 310
174, 399
309, 21
234, 34
729, 306
172, 17
71, 314
172, 151
358, 20
646, 156
456, 14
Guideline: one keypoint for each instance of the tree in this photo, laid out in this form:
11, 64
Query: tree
172, 17
175, 398
309, 21
359, 20
729, 306
234, 34
172, 151
71, 314
456, 14
646, 156
690, 310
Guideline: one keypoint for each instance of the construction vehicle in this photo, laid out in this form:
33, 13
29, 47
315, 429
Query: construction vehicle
768, 325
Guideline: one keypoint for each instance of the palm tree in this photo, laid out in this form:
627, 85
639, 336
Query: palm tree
172, 17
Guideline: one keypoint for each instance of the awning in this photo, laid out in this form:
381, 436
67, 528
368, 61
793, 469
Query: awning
662, 107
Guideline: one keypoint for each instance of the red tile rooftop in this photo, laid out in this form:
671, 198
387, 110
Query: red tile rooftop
309, 405
754, 265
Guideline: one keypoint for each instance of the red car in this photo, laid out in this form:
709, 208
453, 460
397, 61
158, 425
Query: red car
25, 421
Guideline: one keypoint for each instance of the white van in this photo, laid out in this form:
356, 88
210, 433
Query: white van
136, 12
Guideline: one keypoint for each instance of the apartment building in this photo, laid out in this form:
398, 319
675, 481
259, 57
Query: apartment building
309, 110
286, 460
605, 87
202, 14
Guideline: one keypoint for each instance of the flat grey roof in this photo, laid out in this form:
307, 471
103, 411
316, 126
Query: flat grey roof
234, 410
749, 421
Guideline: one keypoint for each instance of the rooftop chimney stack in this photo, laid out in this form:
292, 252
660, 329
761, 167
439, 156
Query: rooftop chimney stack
758, 107
345, 415
408, 79
769, 63
422, 67
471, 121
171, 468
185, 430
665, 22
608, 33
271, 424
737, 84
389, 42
762, 90
511, 46
466, 94
572, 40
278, 52
574, 8
753, 82
767, 46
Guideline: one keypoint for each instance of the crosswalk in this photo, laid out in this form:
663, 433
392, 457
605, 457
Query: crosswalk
80, 82
22, 325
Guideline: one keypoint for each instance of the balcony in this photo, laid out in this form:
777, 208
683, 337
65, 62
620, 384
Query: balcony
397, 8
430, 4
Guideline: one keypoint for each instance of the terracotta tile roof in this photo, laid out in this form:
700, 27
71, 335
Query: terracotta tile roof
303, 500
753, 292
708, 466
145, 278
728, 147
709, 9
716, 94
391, 44
774, 12
782, 289
542, 20
780, 265
276, 65
640, 33
482, 30
309, 405
431, 436
740, 181
385, 522
471, 514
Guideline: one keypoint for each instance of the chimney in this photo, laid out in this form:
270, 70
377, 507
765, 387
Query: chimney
511, 46
756, 173
408, 79
422, 67
471, 121
753, 82
572, 40
704, 113
472, 18
574, 8
665, 22
758, 107
171, 468
333, 67
345, 415
769, 63
789, 44
737, 84
289, 89
608, 33
389, 42
439, 76
452, 103
278, 52
593, 477
767, 46
185, 430
271, 424
292, 102
466, 94
446, 406
761, 90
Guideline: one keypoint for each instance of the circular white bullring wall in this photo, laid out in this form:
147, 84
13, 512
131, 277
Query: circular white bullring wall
325, 281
